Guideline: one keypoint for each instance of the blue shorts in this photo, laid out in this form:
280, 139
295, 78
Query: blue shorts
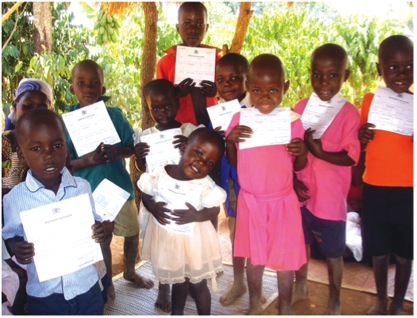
387, 221
89, 303
330, 235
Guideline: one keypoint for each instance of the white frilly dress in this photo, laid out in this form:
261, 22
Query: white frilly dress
175, 256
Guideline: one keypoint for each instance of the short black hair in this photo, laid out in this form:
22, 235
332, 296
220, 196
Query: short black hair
234, 59
160, 85
394, 43
268, 63
37, 115
330, 50
210, 134
87, 63
192, 5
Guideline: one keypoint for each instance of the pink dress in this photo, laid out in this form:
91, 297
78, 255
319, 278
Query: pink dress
328, 183
268, 225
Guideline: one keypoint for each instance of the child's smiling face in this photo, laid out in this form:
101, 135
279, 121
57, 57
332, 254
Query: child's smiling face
397, 69
327, 76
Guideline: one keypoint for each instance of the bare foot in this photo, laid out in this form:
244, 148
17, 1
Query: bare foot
299, 293
163, 301
233, 293
334, 310
111, 293
396, 310
254, 311
139, 280
263, 297
379, 308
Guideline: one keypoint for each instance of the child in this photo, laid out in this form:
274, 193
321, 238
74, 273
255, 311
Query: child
328, 173
186, 260
268, 228
30, 93
42, 145
388, 182
107, 161
231, 76
163, 103
192, 27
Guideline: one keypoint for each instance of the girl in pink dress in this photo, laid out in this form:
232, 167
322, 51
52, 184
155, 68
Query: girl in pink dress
268, 227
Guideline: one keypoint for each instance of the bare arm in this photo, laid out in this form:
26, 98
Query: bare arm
237, 134
339, 158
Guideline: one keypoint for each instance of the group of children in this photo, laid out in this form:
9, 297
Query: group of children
279, 198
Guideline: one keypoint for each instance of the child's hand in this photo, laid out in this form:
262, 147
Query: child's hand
187, 215
141, 150
239, 134
99, 233
179, 140
314, 145
185, 87
365, 133
300, 189
97, 157
297, 147
111, 152
24, 252
208, 88
108, 227
221, 132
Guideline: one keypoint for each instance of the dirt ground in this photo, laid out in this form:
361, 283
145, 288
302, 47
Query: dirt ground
353, 302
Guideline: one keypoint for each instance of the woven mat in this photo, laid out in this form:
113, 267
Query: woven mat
134, 301
356, 276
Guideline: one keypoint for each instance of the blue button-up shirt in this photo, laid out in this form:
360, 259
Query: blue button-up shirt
32, 194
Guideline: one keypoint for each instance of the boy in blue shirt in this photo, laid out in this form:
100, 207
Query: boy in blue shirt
42, 145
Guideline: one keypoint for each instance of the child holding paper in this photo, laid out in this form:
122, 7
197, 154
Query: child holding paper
387, 215
30, 93
108, 161
268, 228
162, 98
192, 27
231, 76
42, 145
328, 173
185, 253
163, 102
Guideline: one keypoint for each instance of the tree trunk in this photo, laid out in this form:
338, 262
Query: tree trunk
42, 22
147, 74
245, 14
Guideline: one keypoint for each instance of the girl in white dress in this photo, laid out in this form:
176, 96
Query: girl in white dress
180, 241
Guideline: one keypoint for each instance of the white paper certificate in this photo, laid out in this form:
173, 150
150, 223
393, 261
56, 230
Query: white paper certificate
319, 114
89, 126
175, 194
268, 129
392, 112
161, 148
221, 114
61, 233
109, 199
196, 63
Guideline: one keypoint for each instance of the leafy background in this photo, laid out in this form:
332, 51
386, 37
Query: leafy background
292, 33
